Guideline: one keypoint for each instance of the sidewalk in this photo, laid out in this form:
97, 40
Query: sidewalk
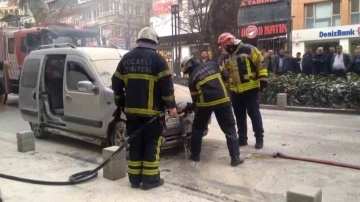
49, 166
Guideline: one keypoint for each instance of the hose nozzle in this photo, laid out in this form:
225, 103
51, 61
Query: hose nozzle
275, 154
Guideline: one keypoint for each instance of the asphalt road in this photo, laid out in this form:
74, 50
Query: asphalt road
260, 178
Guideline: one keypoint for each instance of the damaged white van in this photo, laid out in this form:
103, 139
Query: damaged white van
66, 90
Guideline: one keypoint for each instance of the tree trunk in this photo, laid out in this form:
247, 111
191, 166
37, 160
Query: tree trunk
222, 17
40, 11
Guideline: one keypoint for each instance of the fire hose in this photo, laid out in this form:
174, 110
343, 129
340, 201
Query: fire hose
85, 176
333, 163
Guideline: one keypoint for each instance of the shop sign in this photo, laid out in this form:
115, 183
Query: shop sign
339, 32
253, 31
165, 53
245, 3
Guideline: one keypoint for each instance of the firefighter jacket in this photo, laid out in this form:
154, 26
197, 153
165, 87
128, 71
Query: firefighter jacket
246, 69
207, 87
142, 83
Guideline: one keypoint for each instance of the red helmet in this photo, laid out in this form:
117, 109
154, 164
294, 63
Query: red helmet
226, 39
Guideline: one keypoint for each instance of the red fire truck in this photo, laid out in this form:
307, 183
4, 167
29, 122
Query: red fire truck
16, 43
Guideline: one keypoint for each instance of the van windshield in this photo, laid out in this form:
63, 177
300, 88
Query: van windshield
105, 69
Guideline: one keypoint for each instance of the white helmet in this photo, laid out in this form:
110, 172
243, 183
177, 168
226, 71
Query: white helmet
187, 62
148, 33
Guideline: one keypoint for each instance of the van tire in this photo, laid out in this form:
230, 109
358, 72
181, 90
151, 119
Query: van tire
38, 130
118, 136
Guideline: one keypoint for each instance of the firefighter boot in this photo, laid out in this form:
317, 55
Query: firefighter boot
147, 186
259, 143
243, 140
234, 151
195, 147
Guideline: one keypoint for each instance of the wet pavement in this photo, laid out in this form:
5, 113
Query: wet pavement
260, 178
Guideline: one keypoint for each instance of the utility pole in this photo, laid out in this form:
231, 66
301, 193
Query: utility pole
175, 26
289, 27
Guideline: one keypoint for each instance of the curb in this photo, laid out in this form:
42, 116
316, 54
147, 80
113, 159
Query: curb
311, 109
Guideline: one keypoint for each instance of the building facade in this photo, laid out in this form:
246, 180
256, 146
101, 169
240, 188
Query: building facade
263, 23
320, 23
119, 21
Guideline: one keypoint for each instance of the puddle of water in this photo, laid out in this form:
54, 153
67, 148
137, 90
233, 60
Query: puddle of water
258, 156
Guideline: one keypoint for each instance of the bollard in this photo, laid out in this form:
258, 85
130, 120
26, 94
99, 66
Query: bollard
25, 141
282, 101
304, 194
116, 169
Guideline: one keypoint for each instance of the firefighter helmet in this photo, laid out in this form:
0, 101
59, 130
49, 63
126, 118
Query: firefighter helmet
148, 34
226, 39
187, 62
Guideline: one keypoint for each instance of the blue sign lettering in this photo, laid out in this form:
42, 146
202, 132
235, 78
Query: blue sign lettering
335, 33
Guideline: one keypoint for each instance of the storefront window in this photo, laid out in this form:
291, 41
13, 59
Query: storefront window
269, 13
326, 45
354, 12
274, 44
325, 14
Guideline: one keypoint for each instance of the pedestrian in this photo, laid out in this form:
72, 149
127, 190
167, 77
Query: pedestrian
289, 63
307, 62
269, 61
298, 63
223, 57
319, 62
341, 62
355, 67
329, 59
4, 66
279, 62
209, 94
204, 56
143, 88
248, 78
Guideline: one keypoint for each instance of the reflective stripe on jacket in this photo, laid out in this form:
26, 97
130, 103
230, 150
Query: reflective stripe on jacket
207, 87
245, 68
142, 83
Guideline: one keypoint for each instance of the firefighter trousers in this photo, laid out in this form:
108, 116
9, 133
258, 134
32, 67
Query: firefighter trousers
144, 151
225, 117
243, 104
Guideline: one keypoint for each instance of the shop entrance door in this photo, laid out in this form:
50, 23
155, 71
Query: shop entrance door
274, 44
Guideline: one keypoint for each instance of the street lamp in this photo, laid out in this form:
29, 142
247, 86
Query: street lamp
288, 26
175, 30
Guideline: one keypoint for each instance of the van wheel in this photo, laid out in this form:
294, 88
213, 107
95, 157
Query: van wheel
119, 136
38, 130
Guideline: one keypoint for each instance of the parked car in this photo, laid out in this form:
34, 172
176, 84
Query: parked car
67, 91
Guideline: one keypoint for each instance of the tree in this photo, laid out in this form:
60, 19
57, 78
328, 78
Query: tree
194, 19
222, 17
129, 18
39, 9
63, 6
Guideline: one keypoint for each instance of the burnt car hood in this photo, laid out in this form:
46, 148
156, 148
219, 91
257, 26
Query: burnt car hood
182, 94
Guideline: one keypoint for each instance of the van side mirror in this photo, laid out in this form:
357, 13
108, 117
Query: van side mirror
87, 86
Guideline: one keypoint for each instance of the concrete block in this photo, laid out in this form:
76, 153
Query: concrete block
282, 101
115, 169
304, 194
25, 141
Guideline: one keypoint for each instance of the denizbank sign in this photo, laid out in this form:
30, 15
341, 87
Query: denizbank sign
339, 32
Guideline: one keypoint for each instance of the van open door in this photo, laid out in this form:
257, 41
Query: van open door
29, 89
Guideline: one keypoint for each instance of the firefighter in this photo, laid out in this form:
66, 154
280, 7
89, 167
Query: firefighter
209, 94
143, 88
3, 67
247, 78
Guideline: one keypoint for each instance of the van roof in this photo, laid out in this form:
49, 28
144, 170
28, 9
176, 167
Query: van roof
92, 53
